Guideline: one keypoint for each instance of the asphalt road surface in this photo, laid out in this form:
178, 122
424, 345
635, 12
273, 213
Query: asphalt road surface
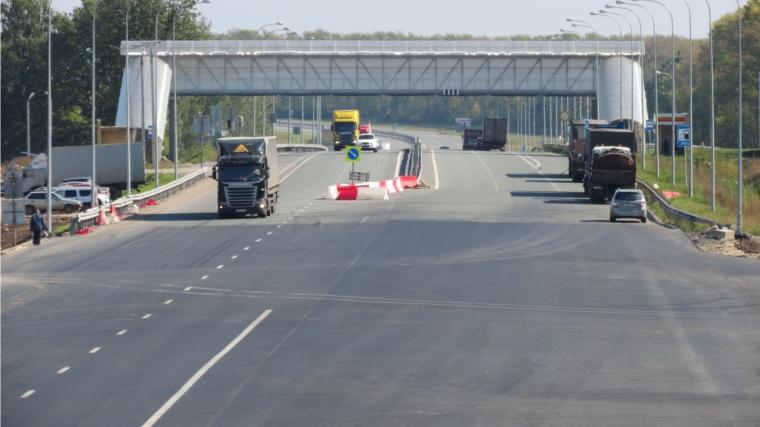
501, 298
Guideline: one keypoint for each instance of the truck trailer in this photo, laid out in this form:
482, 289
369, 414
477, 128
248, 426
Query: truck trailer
345, 127
247, 174
610, 162
494, 134
76, 161
575, 161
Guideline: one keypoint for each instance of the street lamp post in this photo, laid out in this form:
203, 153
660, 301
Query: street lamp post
268, 25
656, 87
621, 58
641, 65
50, 120
157, 154
712, 114
577, 23
28, 128
94, 200
739, 163
620, 48
129, 112
673, 95
691, 108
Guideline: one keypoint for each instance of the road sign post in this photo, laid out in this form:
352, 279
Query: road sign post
353, 155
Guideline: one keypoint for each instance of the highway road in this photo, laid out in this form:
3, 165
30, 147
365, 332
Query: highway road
501, 298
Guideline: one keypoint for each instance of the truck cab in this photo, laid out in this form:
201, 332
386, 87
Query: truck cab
577, 146
345, 128
247, 176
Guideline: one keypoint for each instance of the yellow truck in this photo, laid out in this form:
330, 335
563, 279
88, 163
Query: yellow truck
345, 128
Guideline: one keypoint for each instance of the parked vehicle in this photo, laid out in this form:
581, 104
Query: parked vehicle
345, 128
83, 193
38, 200
610, 162
470, 139
628, 203
367, 141
494, 134
577, 146
248, 176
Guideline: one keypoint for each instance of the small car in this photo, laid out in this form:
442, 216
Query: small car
628, 203
83, 194
38, 200
367, 141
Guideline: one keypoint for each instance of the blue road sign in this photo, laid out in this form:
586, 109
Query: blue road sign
650, 125
585, 128
684, 135
569, 127
150, 132
353, 154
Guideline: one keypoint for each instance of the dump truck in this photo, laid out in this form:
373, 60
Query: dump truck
345, 127
575, 155
247, 175
471, 139
610, 162
494, 134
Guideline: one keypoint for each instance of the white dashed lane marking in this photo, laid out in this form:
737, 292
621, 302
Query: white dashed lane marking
220, 266
269, 233
94, 350
168, 302
246, 248
64, 369
146, 316
122, 332
27, 394
258, 240
189, 287
204, 277
233, 256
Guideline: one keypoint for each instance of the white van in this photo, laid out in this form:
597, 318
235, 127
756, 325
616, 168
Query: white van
83, 194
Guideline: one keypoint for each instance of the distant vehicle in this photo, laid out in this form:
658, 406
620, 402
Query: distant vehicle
247, 176
444, 147
364, 128
610, 162
345, 128
470, 138
628, 203
494, 134
577, 146
368, 142
38, 200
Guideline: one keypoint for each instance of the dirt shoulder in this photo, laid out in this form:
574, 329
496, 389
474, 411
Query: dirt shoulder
741, 248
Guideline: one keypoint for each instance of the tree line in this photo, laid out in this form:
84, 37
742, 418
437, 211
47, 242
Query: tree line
24, 70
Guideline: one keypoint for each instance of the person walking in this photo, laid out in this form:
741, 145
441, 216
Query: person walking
38, 226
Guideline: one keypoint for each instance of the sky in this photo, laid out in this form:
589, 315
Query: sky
479, 17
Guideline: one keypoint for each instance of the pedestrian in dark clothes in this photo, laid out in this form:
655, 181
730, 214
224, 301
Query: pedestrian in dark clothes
37, 225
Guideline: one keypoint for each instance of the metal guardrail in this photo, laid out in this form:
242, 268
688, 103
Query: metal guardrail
298, 148
123, 205
674, 212
394, 135
414, 159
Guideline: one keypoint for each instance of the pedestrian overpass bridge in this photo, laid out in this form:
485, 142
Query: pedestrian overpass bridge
396, 68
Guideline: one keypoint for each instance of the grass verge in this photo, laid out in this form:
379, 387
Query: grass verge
726, 188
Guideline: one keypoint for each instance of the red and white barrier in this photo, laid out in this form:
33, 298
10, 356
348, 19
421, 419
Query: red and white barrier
409, 181
354, 192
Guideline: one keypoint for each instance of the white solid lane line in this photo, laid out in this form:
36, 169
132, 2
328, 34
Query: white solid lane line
168, 302
94, 350
64, 369
122, 332
27, 394
146, 316
296, 168
161, 411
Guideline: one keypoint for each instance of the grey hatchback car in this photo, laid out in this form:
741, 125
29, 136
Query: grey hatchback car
628, 204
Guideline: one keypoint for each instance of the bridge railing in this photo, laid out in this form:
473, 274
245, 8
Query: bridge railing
354, 47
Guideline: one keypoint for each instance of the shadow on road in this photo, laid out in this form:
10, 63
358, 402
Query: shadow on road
567, 202
561, 176
547, 194
549, 180
189, 216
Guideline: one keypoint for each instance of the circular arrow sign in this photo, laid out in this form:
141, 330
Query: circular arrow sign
564, 115
353, 154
